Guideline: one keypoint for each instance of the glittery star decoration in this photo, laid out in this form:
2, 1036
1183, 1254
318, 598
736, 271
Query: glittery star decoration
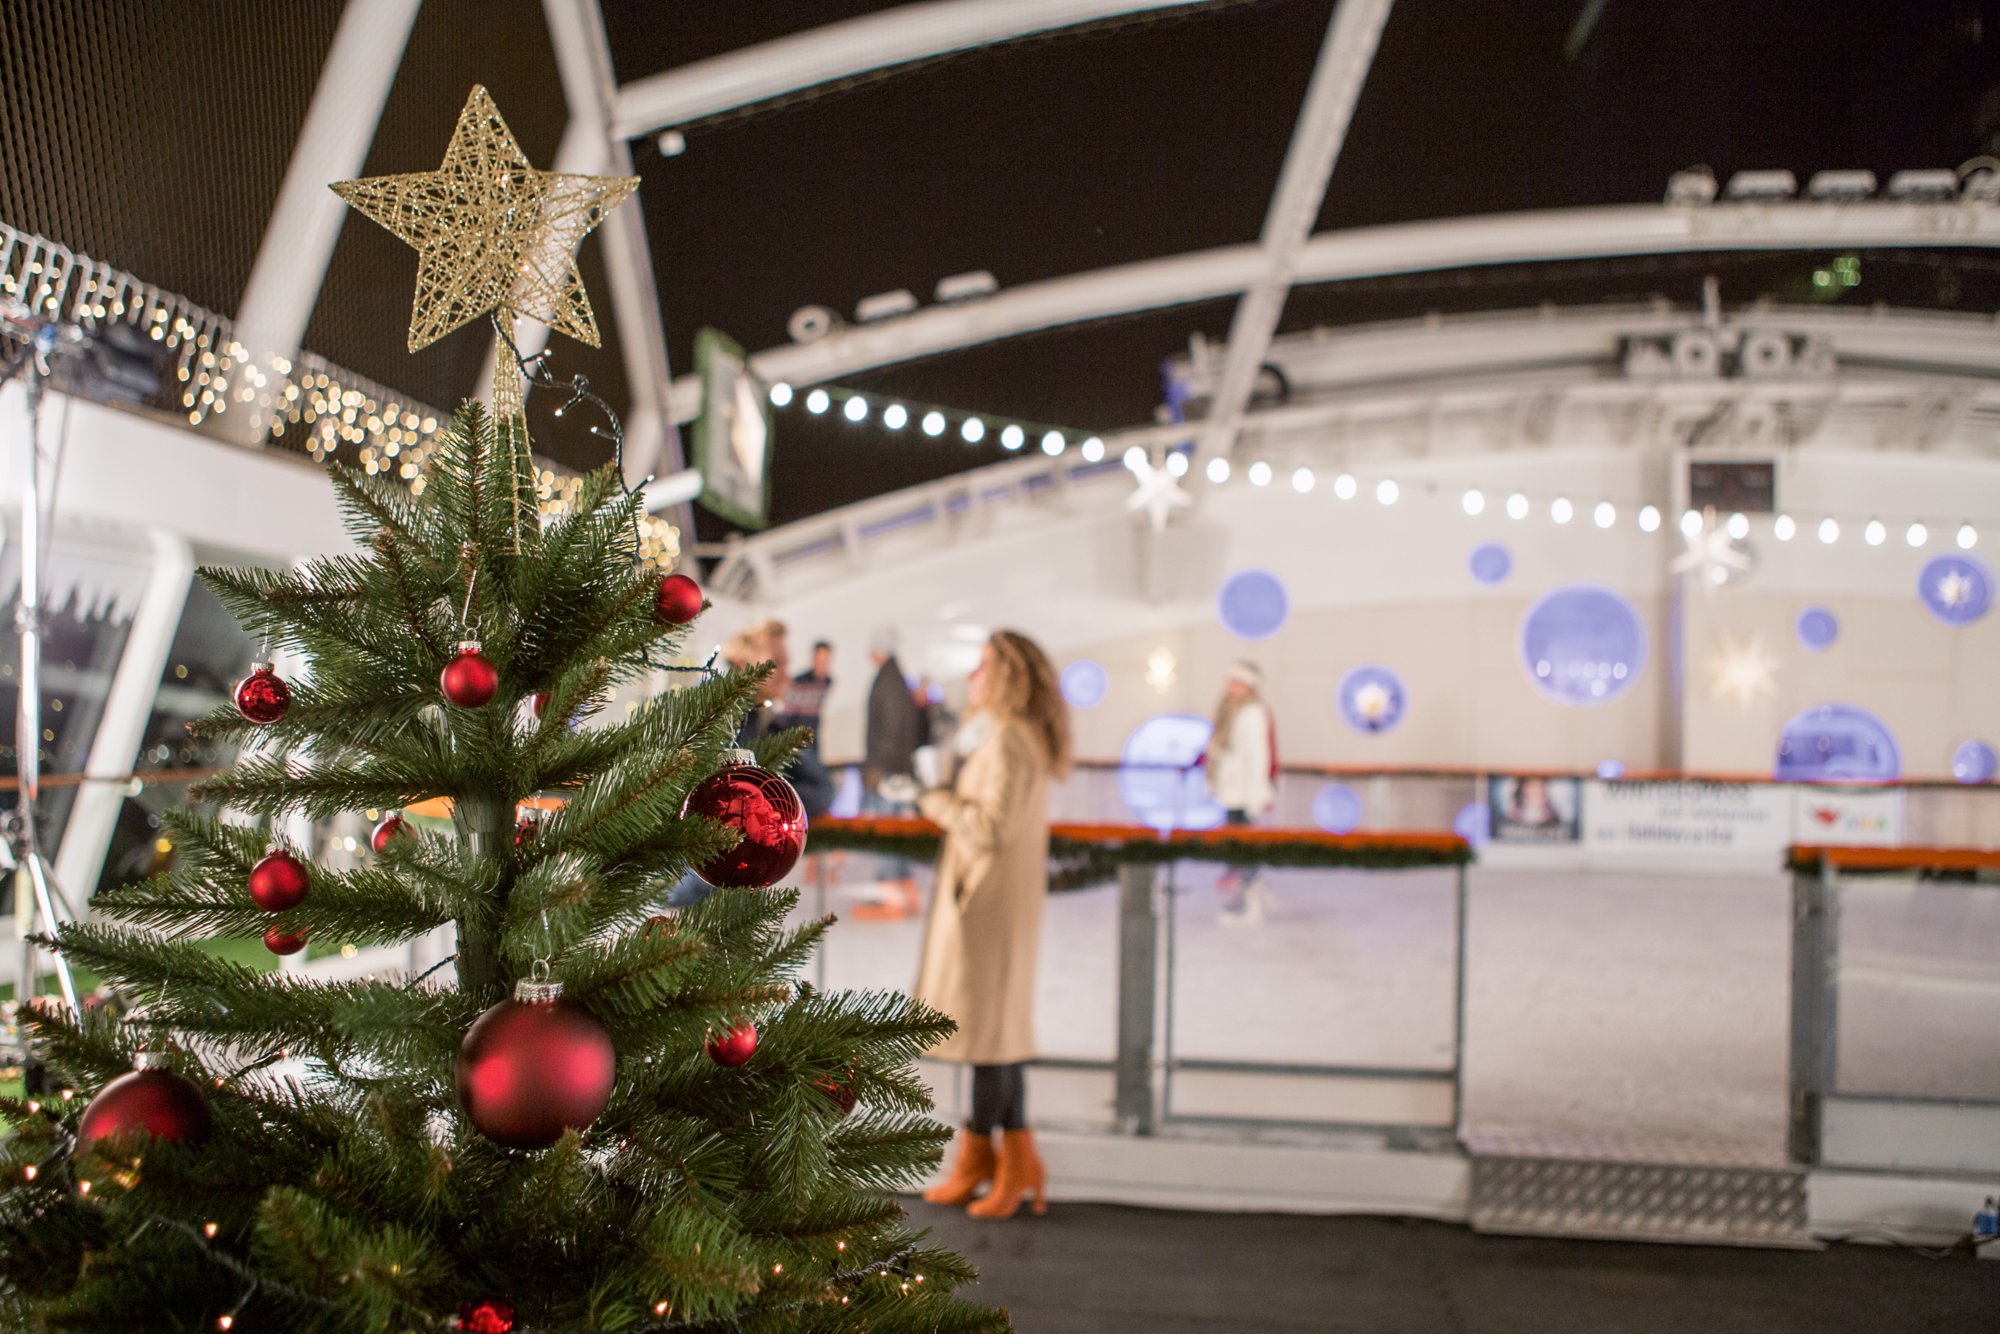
1713, 555
1742, 671
1159, 492
492, 235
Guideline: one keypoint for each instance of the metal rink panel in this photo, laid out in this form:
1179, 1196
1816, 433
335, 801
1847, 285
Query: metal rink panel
1737, 1205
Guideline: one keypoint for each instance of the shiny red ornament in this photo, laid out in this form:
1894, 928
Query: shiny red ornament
487, 1317
279, 882
837, 1093
392, 828
764, 809
678, 601
525, 830
541, 702
734, 1046
262, 696
280, 941
534, 1066
152, 1100
469, 680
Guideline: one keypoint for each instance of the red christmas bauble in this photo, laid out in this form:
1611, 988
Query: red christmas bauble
151, 1100
534, 1066
734, 1046
279, 882
469, 680
392, 828
678, 601
525, 830
764, 809
263, 696
279, 941
541, 702
487, 1317
837, 1093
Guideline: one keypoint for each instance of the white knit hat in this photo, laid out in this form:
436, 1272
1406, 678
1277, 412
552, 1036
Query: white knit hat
1247, 673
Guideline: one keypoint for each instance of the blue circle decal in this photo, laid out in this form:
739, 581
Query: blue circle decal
1154, 778
1974, 762
1371, 699
1253, 604
1491, 563
1836, 742
1337, 808
1583, 645
1956, 588
1817, 629
1084, 684
1473, 823
1610, 770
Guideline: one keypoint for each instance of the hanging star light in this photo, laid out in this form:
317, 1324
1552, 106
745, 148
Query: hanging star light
1712, 554
1742, 671
1159, 492
492, 236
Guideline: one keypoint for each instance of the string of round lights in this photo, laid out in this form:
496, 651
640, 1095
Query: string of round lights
934, 422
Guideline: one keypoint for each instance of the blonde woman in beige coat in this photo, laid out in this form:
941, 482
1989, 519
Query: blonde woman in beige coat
985, 927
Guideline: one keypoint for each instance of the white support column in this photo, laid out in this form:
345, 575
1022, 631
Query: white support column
94, 816
1344, 59
333, 145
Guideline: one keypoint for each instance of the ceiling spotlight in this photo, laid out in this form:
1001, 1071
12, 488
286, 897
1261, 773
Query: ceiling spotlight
1560, 509
781, 394
1517, 506
1260, 473
1302, 480
1604, 515
1472, 501
1917, 535
1782, 528
1649, 519
1968, 537
1345, 487
1012, 437
1177, 463
1135, 458
1874, 533
1386, 491
895, 416
1739, 526
817, 402
1691, 524
972, 430
1829, 531
933, 423
855, 409
1093, 450
1218, 470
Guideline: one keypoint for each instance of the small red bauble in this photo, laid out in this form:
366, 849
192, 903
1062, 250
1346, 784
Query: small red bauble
678, 601
469, 680
392, 828
541, 702
735, 1046
525, 830
152, 1100
534, 1066
487, 1317
279, 941
279, 882
764, 809
263, 696
837, 1093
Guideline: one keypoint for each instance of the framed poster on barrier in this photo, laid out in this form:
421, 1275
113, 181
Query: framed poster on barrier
1532, 809
732, 437
1690, 816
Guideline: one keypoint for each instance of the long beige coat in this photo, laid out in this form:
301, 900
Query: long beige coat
986, 912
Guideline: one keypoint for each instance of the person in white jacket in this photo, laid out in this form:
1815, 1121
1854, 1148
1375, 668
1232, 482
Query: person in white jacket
1242, 775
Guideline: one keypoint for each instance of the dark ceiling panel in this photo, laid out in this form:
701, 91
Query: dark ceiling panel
647, 36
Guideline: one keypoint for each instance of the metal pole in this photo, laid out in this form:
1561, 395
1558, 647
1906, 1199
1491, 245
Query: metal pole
1813, 1021
1172, 915
1138, 949
1458, 1011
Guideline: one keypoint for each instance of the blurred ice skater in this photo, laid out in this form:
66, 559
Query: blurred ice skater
1242, 775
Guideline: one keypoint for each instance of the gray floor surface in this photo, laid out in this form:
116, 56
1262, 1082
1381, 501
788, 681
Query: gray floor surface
1104, 1269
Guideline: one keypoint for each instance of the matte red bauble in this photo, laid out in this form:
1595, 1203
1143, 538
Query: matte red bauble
525, 830
487, 1317
468, 680
388, 832
534, 1066
279, 882
152, 1100
263, 696
284, 942
837, 1093
678, 601
734, 1046
760, 806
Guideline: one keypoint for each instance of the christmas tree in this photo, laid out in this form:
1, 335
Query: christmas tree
599, 1117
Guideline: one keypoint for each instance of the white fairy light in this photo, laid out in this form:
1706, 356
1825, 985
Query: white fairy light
818, 401
781, 394
1386, 491
1093, 450
1829, 531
1783, 527
1345, 487
1739, 526
1917, 535
855, 409
972, 430
1472, 502
933, 424
1013, 437
1177, 463
1517, 506
1649, 519
1218, 471
1874, 533
1691, 522
1605, 514
1561, 510
1053, 443
1968, 537
895, 416
1302, 480
1260, 473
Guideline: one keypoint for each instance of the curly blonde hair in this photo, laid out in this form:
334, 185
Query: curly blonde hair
1021, 685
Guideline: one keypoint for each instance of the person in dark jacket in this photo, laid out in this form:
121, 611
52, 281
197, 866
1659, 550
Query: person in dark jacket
895, 730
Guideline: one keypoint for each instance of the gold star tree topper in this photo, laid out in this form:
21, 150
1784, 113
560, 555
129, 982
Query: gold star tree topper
492, 235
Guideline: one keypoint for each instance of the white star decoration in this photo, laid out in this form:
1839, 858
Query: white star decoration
1159, 492
1954, 589
1742, 671
1714, 556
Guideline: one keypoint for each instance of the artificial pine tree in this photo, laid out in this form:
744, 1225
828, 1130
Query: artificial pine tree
686, 1138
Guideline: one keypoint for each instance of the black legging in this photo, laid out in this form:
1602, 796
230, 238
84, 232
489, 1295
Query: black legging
999, 1098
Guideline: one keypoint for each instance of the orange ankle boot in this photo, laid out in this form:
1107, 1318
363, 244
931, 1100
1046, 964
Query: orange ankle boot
1020, 1172
973, 1169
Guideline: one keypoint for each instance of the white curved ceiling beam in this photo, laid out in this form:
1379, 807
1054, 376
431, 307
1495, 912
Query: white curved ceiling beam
839, 50
1365, 252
